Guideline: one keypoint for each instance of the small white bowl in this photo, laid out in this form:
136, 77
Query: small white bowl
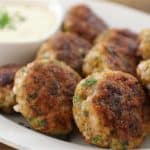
23, 52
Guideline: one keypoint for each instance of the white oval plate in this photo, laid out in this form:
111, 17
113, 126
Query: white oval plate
15, 135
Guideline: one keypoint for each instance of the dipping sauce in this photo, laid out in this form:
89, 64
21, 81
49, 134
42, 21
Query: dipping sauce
20, 23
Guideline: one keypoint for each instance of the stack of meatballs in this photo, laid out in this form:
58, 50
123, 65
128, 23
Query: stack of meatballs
88, 74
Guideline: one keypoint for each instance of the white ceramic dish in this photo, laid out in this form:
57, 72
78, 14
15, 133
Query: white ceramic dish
25, 139
23, 52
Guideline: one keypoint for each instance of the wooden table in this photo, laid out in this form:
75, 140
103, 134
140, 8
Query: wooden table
143, 5
4, 147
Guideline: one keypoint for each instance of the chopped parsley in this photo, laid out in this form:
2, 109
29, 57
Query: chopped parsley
37, 122
8, 20
120, 145
89, 82
76, 98
124, 146
5, 19
96, 139
42, 123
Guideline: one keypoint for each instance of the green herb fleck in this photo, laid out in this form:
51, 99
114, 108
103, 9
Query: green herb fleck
5, 19
76, 98
8, 21
42, 123
124, 146
89, 82
96, 139
37, 122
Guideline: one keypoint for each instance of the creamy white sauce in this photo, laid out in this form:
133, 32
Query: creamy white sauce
32, 24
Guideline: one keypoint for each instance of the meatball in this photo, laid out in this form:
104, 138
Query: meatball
44, 91
143, 72
144, 48
107, 109
66, 47
123, 39
84, 22
7, 99
105, 57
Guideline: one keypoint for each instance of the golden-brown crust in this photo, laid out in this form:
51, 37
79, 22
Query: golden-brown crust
117, 60
67, 47
47, 94
108, 110
143, 72
123, 40
144, 47
120, 103
82, 21
115, 49
107, 57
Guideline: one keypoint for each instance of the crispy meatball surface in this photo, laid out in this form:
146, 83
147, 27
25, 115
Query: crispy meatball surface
143, 72
144, 48
107, 109
123, 39
84, 22
105, 57
7, 99
44, 91
66, 47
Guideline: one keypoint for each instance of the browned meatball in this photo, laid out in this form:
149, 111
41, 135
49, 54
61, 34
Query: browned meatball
44, 91
105, 57
143, 72
107, 109
7, 99
116, 50
66, 47
84, 22
123, 39
144, 48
